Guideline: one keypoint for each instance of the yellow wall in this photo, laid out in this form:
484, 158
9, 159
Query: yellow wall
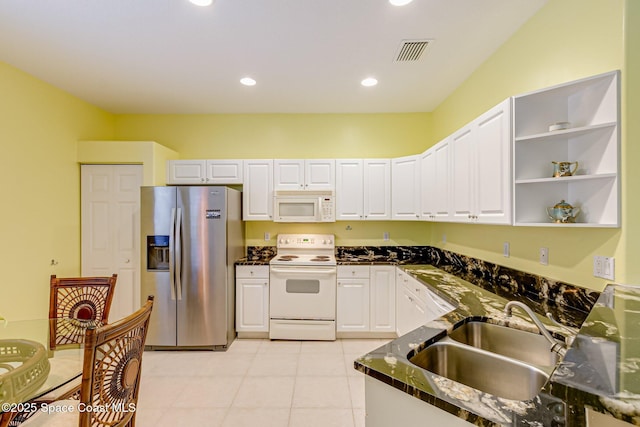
288, 136
630, 245
564, 41
40, 216
150, 154
348, 233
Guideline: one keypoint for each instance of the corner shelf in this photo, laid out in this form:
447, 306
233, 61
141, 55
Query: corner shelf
562, 134
567, 179
592, 106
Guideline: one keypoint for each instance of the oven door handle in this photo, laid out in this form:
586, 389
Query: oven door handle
302, 270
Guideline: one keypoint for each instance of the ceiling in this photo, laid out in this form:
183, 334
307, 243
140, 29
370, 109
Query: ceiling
308, 56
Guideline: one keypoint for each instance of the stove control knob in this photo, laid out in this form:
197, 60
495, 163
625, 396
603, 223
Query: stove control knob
287, 241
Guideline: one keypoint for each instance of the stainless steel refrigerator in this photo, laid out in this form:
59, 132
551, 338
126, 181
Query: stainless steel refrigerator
191, 237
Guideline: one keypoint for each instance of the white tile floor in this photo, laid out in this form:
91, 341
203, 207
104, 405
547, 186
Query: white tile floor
256, 383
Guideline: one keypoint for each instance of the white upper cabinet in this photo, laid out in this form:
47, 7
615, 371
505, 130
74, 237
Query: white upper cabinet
224, 171
204, 172
405, 188
320, 174
589, 139
462, 182
186, 171
349, 189
311, 174
377, 189
363, 189
435, 183
257, 191
481, 168
493, 165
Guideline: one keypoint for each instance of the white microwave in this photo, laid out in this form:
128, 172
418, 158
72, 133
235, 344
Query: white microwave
304, 206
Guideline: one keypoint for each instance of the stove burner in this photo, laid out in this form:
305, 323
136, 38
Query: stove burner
325, 259
288, 257
323, 256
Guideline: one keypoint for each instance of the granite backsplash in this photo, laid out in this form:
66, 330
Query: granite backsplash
569, 304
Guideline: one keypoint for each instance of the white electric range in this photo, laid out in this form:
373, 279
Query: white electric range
302, 288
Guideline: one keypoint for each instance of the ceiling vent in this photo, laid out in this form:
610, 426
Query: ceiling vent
411, 50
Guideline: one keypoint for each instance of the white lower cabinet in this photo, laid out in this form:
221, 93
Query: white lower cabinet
416, 304
352, 314
252, 300
382, 299
387, 406
365, 301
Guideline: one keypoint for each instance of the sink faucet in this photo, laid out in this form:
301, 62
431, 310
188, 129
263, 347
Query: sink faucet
556, 346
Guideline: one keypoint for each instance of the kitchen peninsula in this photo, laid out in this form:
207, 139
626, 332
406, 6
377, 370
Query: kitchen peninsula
598, 372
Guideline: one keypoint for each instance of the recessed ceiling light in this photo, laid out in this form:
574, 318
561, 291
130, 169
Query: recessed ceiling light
202, 2
369, 81
400, 2
248, 81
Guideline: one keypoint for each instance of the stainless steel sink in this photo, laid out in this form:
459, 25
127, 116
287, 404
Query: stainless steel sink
521, 345
488, 372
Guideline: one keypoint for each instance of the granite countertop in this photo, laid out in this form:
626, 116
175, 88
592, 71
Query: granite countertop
254, 260
601, 368
347, 255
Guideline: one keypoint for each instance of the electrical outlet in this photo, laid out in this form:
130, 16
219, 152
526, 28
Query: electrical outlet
267, 236
505, 249
385, 235
444, 238
597, 266
544, 256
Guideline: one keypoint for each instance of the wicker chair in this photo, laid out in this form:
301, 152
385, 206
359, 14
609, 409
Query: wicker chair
76, 303
110, 376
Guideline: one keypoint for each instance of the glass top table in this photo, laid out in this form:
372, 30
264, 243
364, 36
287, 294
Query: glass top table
29, 367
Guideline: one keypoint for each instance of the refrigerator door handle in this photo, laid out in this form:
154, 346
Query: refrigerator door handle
179, 254
172, 245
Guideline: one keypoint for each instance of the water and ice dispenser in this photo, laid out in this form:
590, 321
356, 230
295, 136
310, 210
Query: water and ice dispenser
157, 253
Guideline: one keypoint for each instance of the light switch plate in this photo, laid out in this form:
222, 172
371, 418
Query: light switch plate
604, 267
385, 235
505, 249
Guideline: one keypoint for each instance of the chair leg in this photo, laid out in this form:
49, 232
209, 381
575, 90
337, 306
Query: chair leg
5, 418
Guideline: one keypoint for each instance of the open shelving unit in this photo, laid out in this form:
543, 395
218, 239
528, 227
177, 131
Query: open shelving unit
592, 108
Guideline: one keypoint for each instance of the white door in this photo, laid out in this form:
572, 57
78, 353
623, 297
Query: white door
257, 191
224, 171
349, 189
382, 291
493, 160
110, 217
405, 188
288, 174
377, 189
441, 198
352, 312
428, 184
320, 174
463, 179
252, 305
186, 171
